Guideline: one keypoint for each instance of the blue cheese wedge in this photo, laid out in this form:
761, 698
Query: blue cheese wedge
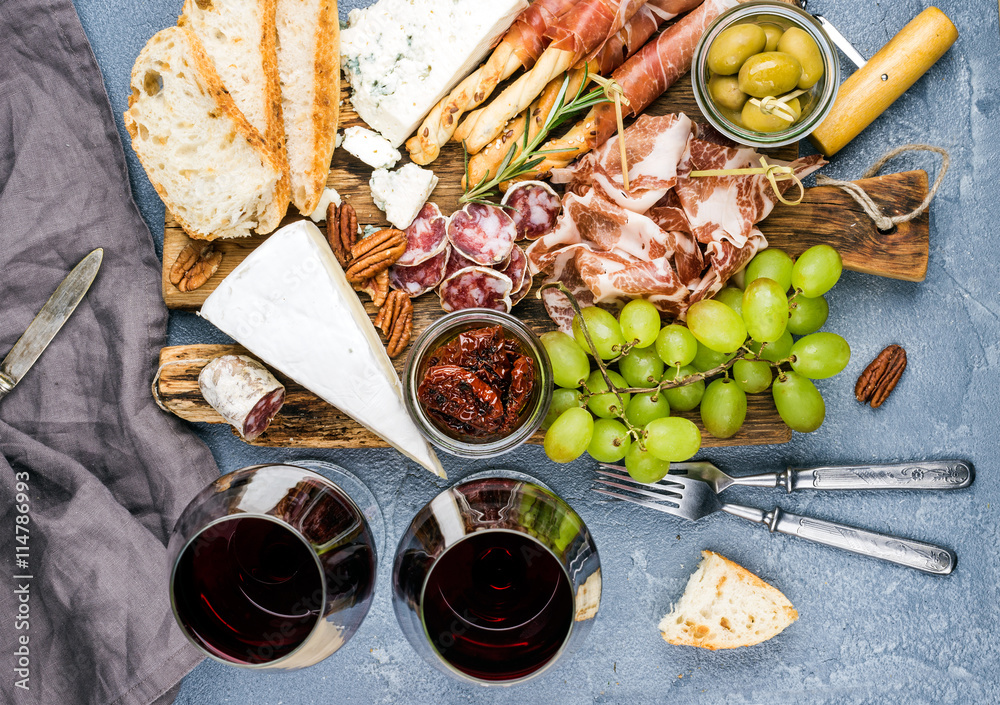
402, 56
371, 148
402, 193
290, 305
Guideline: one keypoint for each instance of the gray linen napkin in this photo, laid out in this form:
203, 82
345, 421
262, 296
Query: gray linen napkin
106, 472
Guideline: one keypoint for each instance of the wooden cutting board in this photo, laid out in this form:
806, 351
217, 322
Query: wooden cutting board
827, 215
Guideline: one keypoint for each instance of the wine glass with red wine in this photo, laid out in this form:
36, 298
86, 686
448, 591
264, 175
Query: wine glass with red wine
274, 565
496, 579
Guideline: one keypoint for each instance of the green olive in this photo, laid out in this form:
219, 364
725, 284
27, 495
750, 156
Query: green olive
770, 73
734, 116
773, 33
726, 93
799, 44
733, 46
758, 121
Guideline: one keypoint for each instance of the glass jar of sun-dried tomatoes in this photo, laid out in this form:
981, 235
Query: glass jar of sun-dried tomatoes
477, 383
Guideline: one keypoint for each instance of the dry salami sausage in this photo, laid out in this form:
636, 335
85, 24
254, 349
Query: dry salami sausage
420, 278
534, 207
483, 233
456, 261
476, 287
426, 236
516, 267
243, 391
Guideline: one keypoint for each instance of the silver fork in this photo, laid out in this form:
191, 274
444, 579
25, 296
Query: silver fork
693, 499
918, 475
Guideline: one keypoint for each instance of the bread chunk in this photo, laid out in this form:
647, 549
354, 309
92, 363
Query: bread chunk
213, 170
309, 72
239, 37
725, 606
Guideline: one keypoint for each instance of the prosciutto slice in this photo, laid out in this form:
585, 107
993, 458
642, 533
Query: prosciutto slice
527, 34
672, 239
584, 29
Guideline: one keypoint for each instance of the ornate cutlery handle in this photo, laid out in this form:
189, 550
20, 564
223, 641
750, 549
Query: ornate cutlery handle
920, 475
906, 552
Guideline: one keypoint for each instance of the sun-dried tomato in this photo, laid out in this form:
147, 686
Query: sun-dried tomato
478, 383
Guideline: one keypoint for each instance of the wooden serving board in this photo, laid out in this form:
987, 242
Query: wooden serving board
827, 215
306, 421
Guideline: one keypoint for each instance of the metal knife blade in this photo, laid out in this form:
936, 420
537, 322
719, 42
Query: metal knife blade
49, 320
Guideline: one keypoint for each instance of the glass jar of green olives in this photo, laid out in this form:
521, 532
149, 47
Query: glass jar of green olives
765, 74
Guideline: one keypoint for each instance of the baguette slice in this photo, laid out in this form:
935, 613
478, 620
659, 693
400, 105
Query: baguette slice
239, 36
210, 166
309, 69
725, 606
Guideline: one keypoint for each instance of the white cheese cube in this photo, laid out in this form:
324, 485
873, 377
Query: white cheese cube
329, 196
402, 56
371, 148
402, 193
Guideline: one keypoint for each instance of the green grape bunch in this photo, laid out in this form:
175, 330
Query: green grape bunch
619, 379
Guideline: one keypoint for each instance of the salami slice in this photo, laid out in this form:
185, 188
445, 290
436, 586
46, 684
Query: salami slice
420, 278
523, 291
243, 391
456, 261
426, 236
484, 234
534, 207
516, 267
476, 287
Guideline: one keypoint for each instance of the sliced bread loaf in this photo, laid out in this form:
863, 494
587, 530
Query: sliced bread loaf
210, 166
239, 37
309, 70
725, 606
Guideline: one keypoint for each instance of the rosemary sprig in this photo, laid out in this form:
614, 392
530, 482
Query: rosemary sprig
531, 156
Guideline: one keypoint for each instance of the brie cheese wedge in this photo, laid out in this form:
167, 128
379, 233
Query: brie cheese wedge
290, 305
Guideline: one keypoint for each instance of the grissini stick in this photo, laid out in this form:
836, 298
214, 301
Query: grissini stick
643, 78
871, 89
574, 35
520, 47
628, 40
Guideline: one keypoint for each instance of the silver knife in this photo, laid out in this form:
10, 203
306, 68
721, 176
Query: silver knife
49, 320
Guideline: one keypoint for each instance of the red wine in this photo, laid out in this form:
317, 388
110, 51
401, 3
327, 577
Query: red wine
248, 590
497, 605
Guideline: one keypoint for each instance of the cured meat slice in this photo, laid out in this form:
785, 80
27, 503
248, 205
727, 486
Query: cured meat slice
243, 391
520, 293
476, 287
485, 234
426, 236
535, 208
420, 278
456, 261
516, 267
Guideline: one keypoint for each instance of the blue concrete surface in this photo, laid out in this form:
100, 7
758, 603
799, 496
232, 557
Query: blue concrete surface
868, 632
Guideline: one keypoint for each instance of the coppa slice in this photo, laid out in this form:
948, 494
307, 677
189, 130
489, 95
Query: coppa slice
426, 236
290, 304
476, 287
484, 234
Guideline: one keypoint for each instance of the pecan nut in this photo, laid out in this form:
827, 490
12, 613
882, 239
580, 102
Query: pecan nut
881, 376
375, 253
195, 265
341, 231
377, 287
395, 318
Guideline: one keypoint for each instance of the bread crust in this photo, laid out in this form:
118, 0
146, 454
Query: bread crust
754, 583
274, 132
326, 101
214, 88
